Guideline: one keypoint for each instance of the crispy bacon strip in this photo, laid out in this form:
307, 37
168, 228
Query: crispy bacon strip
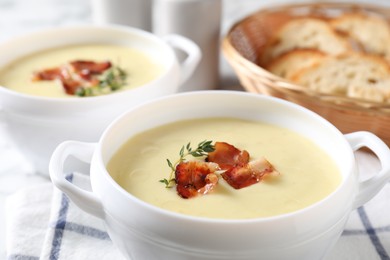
239, 172
47, 74
76, 74
195, 177
251, 173
86, 69
70, 86
227, 156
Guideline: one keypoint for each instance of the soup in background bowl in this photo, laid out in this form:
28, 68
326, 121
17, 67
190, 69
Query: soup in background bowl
38, 117
145, 230
81, 70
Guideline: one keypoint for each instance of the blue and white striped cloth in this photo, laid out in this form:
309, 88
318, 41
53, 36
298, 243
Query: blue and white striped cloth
43, 224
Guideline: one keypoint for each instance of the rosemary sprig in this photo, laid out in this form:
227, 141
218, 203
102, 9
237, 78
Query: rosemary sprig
203, 149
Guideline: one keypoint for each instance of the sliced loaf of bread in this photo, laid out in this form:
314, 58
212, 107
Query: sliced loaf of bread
334, 75
289, 63
305, 33
372, 32
374, 90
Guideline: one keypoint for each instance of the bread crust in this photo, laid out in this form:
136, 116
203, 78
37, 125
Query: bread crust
306, 33
335, 75
291, 62
372, 32
346, 55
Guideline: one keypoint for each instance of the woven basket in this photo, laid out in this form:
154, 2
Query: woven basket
244, 43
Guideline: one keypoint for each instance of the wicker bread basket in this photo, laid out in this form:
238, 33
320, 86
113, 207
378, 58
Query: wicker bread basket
242, 47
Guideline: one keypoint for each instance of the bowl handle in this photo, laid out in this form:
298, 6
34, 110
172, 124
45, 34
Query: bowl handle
367, 189
192, 50
85, 200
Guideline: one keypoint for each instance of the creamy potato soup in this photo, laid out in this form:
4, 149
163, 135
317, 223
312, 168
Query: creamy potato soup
138, 66
306, 173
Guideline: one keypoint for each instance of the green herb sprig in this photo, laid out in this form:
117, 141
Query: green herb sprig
114, 79
203, 149
111, 80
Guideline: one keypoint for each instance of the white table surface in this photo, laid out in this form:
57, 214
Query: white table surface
18, 17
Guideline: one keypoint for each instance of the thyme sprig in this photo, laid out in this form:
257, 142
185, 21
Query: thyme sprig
114, 78
202, 149
111, 80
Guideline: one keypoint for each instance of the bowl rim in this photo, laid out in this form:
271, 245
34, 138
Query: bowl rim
80, 27
99, 162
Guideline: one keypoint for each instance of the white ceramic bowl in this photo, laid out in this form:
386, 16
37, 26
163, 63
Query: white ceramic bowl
142, 231
38, 124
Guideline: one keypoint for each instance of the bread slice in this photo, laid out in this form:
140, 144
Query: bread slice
289, 63
377, 91
372, 32
305, 33
334, 75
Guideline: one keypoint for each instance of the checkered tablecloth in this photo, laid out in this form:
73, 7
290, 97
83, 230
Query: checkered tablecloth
43, 224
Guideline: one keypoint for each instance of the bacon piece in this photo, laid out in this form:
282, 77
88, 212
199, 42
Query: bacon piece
86, 69
211, 181
227, 156
70, 86
76, 74
251, 173
239, 172
195, 177
47, 74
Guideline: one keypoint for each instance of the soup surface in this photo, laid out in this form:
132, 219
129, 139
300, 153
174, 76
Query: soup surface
307, 174
139, 67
